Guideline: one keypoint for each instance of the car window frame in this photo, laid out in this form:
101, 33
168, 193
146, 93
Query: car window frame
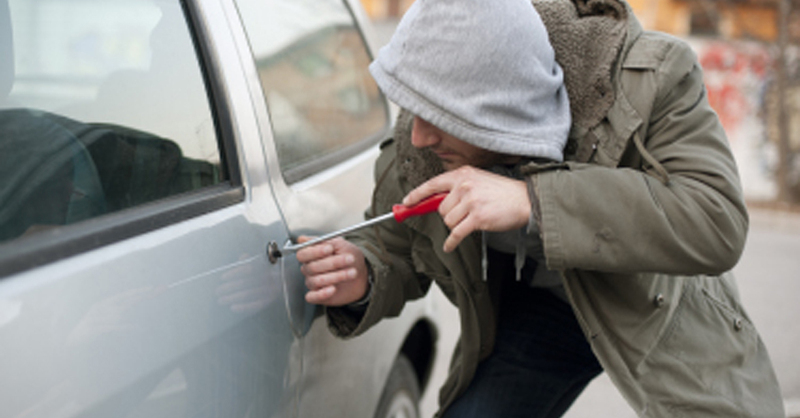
329, 160
45, 247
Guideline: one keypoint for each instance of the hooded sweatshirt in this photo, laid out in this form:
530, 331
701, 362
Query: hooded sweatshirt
482, 71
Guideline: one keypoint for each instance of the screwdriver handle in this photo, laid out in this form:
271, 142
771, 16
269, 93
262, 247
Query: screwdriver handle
427, 205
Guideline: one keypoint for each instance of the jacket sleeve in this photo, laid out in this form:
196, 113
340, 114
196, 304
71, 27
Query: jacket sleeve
624, 220
387, 247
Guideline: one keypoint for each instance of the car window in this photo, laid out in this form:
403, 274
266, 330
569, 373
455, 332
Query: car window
103, 107
312, 65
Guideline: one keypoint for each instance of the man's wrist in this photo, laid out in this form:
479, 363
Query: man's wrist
362, 303
535, 218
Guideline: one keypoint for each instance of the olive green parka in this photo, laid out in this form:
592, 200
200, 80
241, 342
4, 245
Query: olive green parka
644, 219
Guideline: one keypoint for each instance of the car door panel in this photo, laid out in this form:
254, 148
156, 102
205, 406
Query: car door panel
199, 299
322, 192
171, 297
181, 314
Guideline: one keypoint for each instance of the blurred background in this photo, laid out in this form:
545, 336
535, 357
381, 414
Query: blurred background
750, 53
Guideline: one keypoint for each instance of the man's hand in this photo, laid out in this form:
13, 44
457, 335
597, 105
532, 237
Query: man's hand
478, 200
335, 270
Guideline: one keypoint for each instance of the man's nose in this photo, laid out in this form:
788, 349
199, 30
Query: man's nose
423, 134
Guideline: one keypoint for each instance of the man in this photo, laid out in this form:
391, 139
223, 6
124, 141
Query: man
614, 260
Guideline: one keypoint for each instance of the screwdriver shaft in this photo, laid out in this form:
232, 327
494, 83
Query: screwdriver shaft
296, 247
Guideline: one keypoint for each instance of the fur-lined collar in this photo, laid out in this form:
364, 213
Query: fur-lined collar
587, 36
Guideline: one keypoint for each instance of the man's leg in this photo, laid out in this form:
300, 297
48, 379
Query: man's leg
540, 364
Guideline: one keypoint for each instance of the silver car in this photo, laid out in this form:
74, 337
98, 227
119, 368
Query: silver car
155, 157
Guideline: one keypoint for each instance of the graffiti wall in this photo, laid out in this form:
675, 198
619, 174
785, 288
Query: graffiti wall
741, 88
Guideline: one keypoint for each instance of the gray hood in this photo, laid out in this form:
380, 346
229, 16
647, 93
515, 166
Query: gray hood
481, 70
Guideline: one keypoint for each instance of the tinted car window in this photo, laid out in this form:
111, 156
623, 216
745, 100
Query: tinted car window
103, 107
312, 65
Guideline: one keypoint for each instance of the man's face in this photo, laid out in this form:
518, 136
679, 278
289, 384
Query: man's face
453, 152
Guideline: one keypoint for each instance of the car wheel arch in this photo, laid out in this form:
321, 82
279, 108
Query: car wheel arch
419, 347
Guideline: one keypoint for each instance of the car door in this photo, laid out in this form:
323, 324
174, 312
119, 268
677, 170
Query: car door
322, 116
135, 219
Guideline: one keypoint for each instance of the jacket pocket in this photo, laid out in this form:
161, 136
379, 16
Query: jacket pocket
709, 331
708, 357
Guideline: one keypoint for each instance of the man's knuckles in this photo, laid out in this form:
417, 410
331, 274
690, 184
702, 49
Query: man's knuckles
330, 278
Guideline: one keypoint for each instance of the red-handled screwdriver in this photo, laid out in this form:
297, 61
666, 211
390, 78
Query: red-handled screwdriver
399, 213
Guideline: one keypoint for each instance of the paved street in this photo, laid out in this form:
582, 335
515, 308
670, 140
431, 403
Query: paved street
768, 276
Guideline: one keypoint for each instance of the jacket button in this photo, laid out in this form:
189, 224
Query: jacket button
737, 324
659, 300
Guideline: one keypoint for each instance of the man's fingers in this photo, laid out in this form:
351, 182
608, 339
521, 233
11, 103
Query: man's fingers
314, 252
328, 264
457, 234
315, 282
335, 272
441, 183
319, 296
454, 215
445, 182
